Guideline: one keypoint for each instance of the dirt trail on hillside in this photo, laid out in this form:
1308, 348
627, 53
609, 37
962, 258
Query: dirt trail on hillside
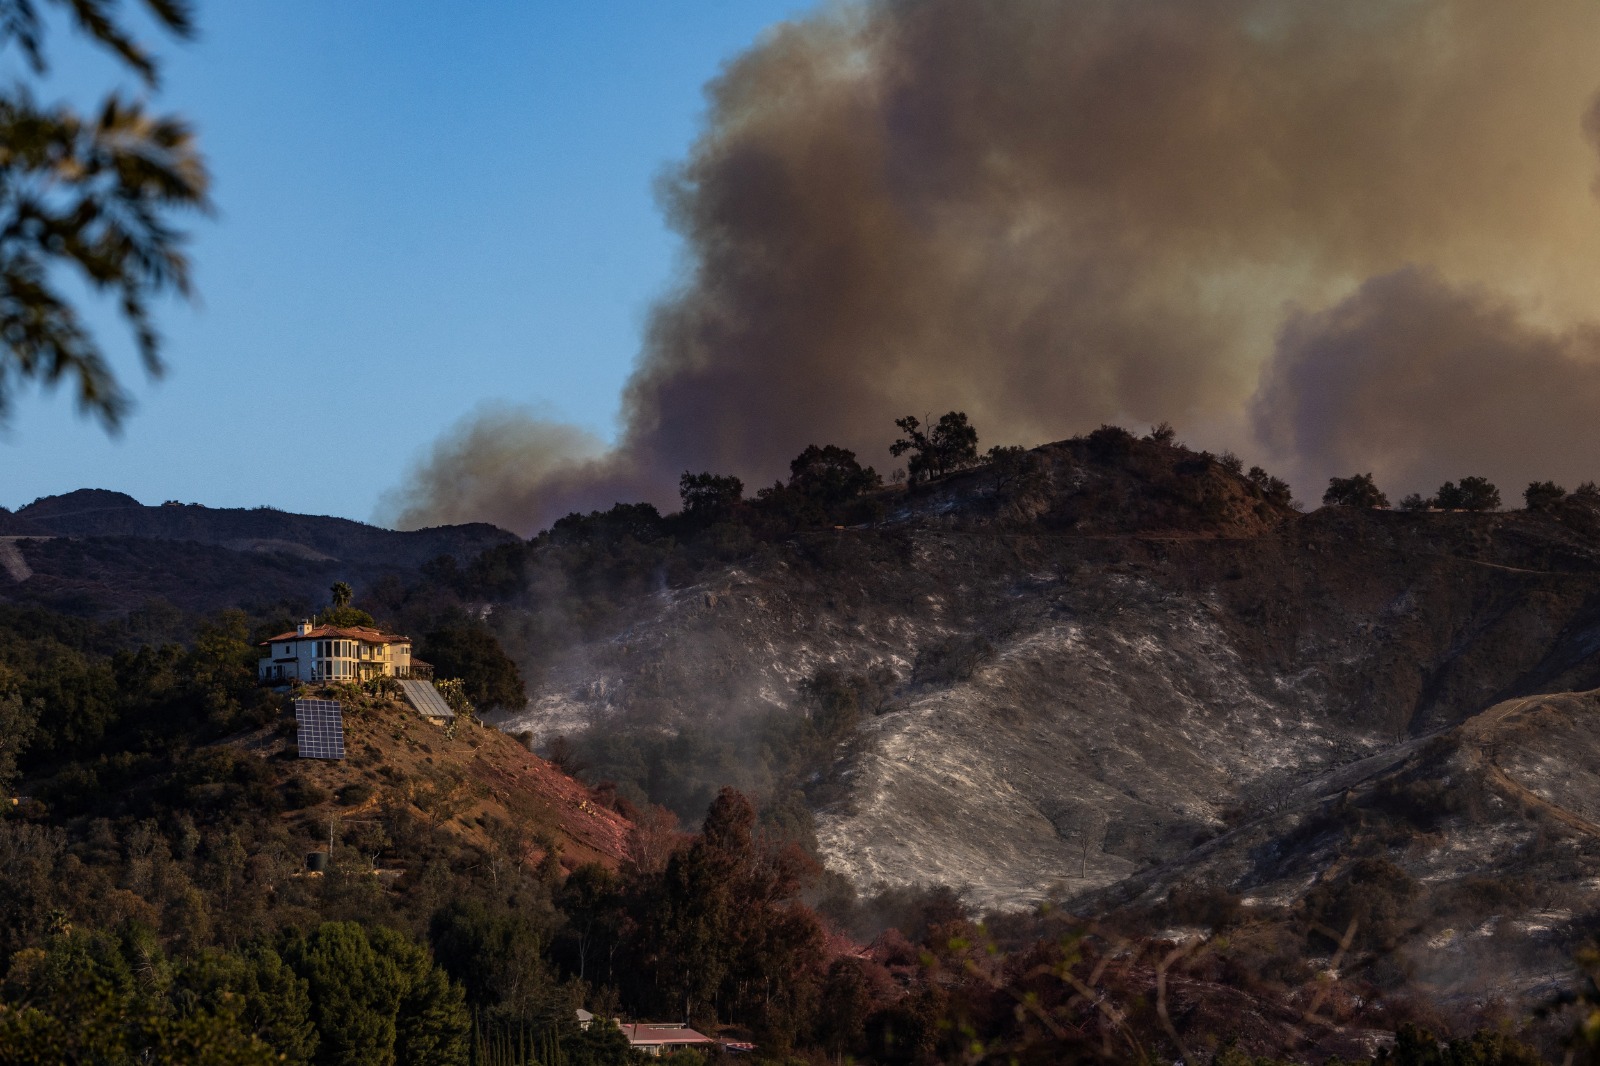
12, 562
1478, 736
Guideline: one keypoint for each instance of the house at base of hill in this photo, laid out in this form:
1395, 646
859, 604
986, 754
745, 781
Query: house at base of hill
659, 1038
338, 653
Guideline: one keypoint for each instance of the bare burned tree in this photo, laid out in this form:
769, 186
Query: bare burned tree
1080, 825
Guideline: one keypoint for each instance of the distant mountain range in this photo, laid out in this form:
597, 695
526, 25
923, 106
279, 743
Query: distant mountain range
95, 550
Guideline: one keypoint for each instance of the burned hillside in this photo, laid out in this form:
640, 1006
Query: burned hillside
1046, 676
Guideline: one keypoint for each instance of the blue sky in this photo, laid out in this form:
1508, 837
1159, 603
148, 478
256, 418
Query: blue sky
415, 216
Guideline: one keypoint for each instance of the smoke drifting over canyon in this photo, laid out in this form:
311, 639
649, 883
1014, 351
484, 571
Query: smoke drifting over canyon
1344, 236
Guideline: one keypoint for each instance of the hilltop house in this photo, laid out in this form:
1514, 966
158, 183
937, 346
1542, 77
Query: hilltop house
338, 653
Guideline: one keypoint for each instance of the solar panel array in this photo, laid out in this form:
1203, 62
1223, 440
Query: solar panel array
426, 699
321, 728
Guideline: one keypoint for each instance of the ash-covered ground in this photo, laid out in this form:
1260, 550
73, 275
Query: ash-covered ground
1101, 687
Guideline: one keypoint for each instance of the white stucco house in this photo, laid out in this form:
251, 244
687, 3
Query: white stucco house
338, 653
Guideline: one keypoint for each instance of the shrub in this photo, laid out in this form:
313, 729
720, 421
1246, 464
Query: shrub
950, 659
1543, 495
1110, 443
1274, 489
1202, 905
1374, 893
1417, 502
300, 793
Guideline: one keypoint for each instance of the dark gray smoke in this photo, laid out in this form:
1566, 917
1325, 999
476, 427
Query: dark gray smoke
1421, 382
1053, 213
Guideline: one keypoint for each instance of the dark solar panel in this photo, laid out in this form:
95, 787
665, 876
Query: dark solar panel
320, 728
426, 699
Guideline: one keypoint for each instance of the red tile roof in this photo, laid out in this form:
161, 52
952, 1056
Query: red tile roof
371, 636
646, 1034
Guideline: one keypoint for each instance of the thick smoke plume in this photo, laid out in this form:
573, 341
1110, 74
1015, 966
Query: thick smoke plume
495, 467
1422, 382
1264, 220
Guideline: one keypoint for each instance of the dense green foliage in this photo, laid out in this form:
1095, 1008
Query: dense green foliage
472, 654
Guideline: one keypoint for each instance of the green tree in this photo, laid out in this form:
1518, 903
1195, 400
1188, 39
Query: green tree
89, 1021
693, 924
81, 694
591, 899
488, 675
499, 960
830, 475
88, 997
277, 1006
725, 936
17, 721
1472, 494
346, 617
950, 445
379, 1000
432, 1027
221, 666
90, 196
846, 1002
257, 988
355, 994
709, 498
1358, 490
342, 594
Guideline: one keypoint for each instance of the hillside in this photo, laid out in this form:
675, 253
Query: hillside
98, 552
1064, 684
478, 785
1468, 856
100, 513
1317, 775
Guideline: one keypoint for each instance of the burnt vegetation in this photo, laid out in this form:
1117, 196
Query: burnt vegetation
154, 886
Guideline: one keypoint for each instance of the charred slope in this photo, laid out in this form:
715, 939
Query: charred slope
1094, 666
1464, 863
